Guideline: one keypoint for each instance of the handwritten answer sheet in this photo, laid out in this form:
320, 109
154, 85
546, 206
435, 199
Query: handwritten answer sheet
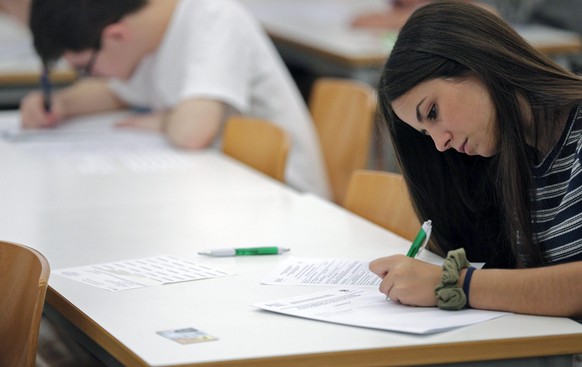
370, 309
326, 272
139, 273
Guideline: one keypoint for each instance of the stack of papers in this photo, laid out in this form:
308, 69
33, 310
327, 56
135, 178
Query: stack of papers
370, 309
355, 299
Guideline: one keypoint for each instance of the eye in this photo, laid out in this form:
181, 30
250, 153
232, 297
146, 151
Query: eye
432, 113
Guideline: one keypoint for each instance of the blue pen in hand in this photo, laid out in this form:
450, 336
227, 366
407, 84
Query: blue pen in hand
420, 240
45, 84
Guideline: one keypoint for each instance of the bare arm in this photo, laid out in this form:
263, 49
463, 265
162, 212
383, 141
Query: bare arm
552, 291
398, 13
192, 124
88, 96
17, 8
195, 123
393, 18
84, 97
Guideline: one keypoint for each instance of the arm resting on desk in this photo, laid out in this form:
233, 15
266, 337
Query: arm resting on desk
84, 97
551, 290
89, 96
192, 124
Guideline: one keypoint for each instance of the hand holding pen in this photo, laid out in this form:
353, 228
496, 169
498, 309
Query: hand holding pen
40, 109
33, 114
405, 279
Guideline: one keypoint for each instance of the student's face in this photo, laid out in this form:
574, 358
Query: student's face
83, 62
118, 56
455, 113
103, 62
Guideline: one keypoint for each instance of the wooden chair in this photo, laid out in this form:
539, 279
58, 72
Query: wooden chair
382, 198
24, 276
257, 143
343, 111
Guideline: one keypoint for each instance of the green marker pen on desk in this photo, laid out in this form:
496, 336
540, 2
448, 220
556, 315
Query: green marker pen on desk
420, 240
247, 251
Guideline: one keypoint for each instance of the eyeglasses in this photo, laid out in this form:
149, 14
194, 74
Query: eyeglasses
87, 69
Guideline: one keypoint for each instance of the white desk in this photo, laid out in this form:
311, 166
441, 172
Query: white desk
317, 35
78, 219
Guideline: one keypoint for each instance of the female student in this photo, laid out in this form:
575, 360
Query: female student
488, 133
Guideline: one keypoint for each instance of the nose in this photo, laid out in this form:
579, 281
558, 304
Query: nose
442, 140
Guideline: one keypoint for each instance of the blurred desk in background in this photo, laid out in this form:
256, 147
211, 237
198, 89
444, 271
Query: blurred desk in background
317, 35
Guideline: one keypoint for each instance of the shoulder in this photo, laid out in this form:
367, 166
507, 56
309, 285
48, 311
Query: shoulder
210, 24
211, 10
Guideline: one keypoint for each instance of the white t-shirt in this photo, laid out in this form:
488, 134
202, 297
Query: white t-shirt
215, 49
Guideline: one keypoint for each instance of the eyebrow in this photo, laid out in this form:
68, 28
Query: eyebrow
418, 115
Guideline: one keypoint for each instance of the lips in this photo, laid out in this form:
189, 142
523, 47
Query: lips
463, 146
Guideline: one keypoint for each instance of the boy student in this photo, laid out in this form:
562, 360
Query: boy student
194, 63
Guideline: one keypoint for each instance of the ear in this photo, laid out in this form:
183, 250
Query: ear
117, 32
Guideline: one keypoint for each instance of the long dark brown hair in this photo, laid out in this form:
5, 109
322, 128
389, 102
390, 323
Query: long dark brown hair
481, 204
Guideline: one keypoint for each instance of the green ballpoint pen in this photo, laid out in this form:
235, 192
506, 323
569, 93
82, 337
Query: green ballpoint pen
247, 251
421, 239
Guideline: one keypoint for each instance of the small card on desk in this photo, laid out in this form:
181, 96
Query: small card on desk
187, 335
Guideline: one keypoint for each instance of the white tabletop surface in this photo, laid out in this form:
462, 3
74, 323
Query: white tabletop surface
80, 217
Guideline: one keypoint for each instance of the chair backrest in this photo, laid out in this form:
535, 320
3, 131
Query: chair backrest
24, 274
382, 198
257, 143
343, 111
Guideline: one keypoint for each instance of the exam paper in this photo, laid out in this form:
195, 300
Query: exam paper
92, 145
139, 273
370, 309
332, 272
326, 272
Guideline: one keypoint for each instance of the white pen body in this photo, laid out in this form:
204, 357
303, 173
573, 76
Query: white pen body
427, 228
220, 252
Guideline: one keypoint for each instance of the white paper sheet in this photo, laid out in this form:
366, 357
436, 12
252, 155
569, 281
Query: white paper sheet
326, 272
370, 309
333, 272
138, 273
92, 145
